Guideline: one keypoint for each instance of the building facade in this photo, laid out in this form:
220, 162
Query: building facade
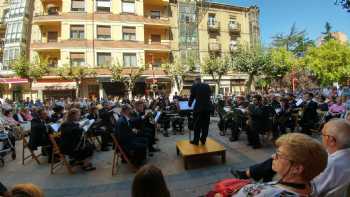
131, 33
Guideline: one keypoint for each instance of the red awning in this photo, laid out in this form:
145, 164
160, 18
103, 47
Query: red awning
13, 80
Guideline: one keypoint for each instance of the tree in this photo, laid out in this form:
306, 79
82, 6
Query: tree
216, 67
250, 60
330, 62
128, 76
30, 71
281, 62
295, 41
328, 33
75, 73
177, 72
344, 3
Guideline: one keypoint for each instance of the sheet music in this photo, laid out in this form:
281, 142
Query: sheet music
183, 105
278, 110
227, 109
157, 116
88, 124
55, 126
299, 102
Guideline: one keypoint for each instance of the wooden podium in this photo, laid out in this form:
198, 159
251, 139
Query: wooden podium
188, 150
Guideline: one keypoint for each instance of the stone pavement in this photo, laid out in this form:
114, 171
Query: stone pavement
195, 182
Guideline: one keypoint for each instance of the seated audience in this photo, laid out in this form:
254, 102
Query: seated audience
336, 139
9, 118
298, 160
149, 182
71, 141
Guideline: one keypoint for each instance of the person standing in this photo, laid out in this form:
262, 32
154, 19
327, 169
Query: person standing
200, 98
257, 118
310, 116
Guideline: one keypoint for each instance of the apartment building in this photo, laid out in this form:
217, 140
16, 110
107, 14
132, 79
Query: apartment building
221, 30
132, 33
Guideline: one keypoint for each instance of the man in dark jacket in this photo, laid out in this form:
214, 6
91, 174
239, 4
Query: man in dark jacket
39, 133
134, 146
200, 93
310, 116
256, 121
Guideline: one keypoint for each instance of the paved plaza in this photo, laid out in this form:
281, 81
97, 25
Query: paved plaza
195, 181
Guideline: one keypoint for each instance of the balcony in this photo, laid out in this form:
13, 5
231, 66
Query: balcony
234, 27
233, 46
214, 46
213, 25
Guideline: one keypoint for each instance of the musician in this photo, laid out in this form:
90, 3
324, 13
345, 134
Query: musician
310, 116
58, 113
141, 122
108, 122
201, 93
39, 133
93, 114
134, 146
72, 141
256, 121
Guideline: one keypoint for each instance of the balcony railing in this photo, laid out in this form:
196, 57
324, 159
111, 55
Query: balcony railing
234, 27
213, 25
214, 46
233, 46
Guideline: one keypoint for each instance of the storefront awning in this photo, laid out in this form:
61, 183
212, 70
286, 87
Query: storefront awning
13, 80
54, 86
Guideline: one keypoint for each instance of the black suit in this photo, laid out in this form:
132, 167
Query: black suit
310, 117
71, 136
39, 134
201, 111
134, 146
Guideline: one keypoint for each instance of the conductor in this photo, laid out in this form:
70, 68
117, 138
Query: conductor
200, 92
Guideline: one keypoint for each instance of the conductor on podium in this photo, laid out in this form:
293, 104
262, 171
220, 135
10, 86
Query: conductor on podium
200, 98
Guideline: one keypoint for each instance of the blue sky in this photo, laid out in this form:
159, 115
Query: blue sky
277, 16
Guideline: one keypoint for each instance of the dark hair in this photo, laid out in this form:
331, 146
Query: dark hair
149, 182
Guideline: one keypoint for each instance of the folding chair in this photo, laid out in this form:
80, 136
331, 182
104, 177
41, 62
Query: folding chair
118, 153
32, 154
56, 152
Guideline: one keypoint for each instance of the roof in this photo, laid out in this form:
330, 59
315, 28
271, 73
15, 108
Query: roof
235, 4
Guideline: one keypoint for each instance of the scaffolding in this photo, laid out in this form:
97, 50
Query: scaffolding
190, 14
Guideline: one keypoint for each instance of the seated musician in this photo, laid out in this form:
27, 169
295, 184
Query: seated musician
93, 114
39, 133
58, 113
141, 121
134, 146
336, 109
71, 143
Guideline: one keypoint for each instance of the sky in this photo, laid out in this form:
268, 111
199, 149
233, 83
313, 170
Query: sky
277, 16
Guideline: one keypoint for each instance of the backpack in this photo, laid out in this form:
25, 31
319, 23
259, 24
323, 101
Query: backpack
227, 187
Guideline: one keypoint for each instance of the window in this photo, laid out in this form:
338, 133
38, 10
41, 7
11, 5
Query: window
53, 11
129, 33
155, 14
128, 6
103, 59
129, 59
155, 38
52, 36
103, 5
211, 19
103, 32
77, 59
77, 32
78, 5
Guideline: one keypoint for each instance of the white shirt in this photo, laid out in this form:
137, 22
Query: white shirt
270, 189
337, 173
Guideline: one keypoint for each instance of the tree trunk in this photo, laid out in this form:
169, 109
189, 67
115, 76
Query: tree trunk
77, 91
218, 82
30, 87
249, 83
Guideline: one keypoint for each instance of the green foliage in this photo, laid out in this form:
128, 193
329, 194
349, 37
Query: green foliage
330, 62
344, 3
31, 71
281, 63
75, 73
216, 67
295, 41
250, 60
176, 71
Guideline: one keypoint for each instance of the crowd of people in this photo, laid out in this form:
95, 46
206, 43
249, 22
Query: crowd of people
303, 165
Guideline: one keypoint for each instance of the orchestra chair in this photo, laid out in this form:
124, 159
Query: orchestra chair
32, 155
62, 160
118, 154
